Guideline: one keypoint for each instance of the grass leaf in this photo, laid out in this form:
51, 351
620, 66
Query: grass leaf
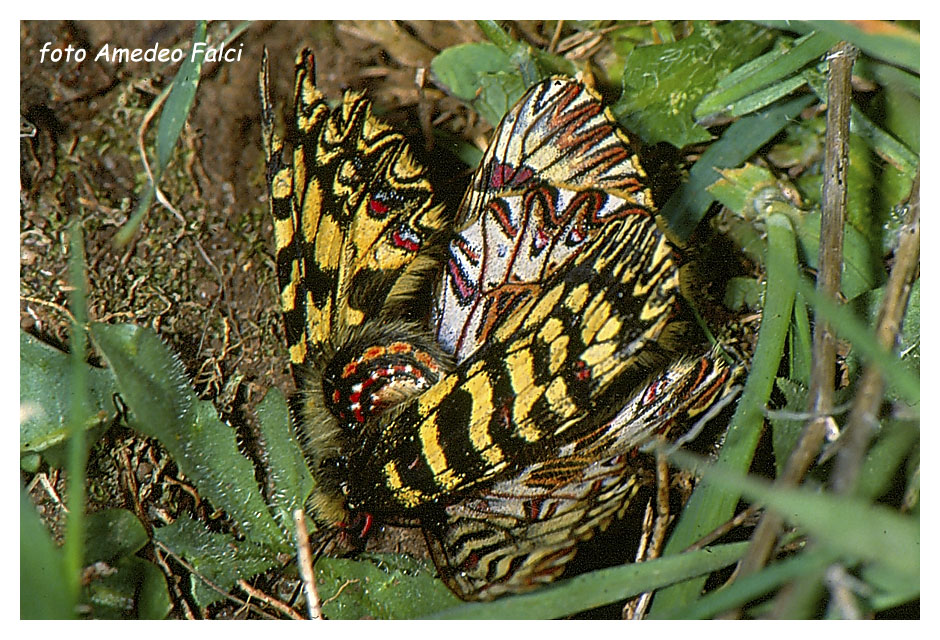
712, 504
600, 587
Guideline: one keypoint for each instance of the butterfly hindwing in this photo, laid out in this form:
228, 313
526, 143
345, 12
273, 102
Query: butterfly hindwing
521, 531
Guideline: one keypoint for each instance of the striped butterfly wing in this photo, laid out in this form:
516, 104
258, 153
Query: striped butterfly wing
352, 211
522, 531
557, 170
559, 301
553, 370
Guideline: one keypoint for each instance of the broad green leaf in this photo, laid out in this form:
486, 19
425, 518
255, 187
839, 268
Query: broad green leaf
459, 67
743, 293
662, 84
112, 534
217, 557
44, 394
483, 75
595, 589
133, 589
43, 591
383, 586
712, 504
533, 64
151, 381
498, 93
153, 597
462, 150
290, 478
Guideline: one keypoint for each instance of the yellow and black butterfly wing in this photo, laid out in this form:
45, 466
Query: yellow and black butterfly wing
555, 369
557, 170
559, 302
352, 212
522, 531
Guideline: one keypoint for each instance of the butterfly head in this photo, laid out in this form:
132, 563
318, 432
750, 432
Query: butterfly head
344, 392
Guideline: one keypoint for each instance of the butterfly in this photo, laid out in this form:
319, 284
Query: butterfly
501, 409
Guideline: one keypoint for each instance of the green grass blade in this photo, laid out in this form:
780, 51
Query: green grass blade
878, 38
853, 528
847, 326
180, 101
881, 39
747, 589
79, 414
884, 144
774, 68
175, 112
765, 97
711, 504
44, 589
600, 587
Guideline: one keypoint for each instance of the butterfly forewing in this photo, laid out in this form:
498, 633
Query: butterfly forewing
353, 217
352, 211
557, 170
